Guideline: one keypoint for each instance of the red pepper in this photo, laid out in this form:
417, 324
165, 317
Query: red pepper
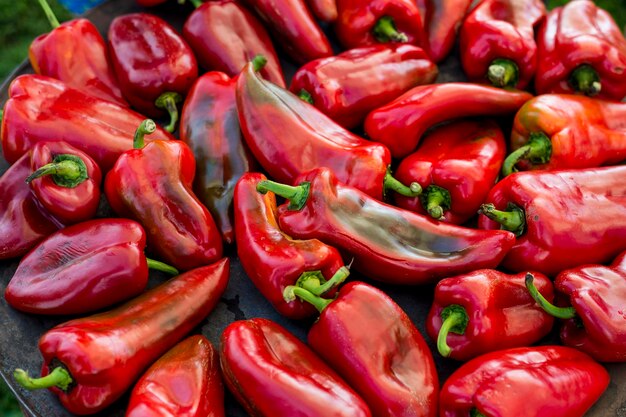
442, 19
367, 22
294, 28
152, 184
272, 117
388, 244
486, 310
456, 165
86, 67
271, 258
153, 63
324, 10
90, 362
560, 131
497, 42
225, 36
595, 323
186, 381
581, 49
65, 181
348, 86
401, 124
371, 342
542, 381
61, 276
272, 373
562, 218
44, 109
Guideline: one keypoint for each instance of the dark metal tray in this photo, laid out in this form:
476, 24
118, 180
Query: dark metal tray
20, 332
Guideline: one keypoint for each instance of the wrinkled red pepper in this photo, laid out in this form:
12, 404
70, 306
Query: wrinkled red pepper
562, 218
456, 165
44, 109
254, 352
153, 63
90, 362
539, 381
324, 10
272, 117
497, 42
388, 244
346, 87
83, 268
401, 124
371, 342
271, 258
487, 310
442, 19
186, 381
581, 49
153, 185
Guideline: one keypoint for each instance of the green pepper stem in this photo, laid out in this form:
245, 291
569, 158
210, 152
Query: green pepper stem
67, 171
59, 377
385, 31
475, 413
54, 22
169, 102
455, 320
196, 3
512, 220
161, 266
305, 96
297, 195
313, 281
391, 183
290, 293
258, 63
435, 201
503, 73
586, 80
547, 306
538, 150
145, 128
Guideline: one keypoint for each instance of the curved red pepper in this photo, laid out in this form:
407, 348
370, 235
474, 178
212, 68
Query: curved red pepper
346, 87
65, 181
272, 373
497, 42
153, 63
401, 123
225, 36
44, 109
562, 218
90, 362
388, 244
539, 381
152, 184
456, 165
83, 268
442, 19
324, 10
186, 381
581, 49
487, 310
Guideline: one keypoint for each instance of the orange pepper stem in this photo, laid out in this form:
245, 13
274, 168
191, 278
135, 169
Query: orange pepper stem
513, 219
558, 312
291, 292
503, 73
385, 31
314, 281
59, 377
297, 195
169, 102
435, 201
538, 150
67, 171
586, 80
145, 128
391, 183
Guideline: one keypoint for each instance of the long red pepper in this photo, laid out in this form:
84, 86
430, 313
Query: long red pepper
324, 10
442, 20
186, 381
272, 373
90, 362
388, 244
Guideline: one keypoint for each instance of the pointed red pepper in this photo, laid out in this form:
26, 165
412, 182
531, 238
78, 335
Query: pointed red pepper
324, 10
442, 19
186, 381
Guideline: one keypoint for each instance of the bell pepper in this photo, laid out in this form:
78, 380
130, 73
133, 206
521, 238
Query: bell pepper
186, 381
581, 49
44, 109
23, 223
153, 63
90, 362
561, 131
346, 87
542, 381
225, 36
456, 165
487, 310
388, 244
324, 10
497, 42
368, 22
442, 19
272, 117
83, 268
401, 123
371, 342
595, 323
272, 373
270, 257
65, 181
562, 218
293, 27
153, 185
86, 68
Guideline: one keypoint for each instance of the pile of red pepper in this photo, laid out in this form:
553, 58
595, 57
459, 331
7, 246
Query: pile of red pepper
502, 237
